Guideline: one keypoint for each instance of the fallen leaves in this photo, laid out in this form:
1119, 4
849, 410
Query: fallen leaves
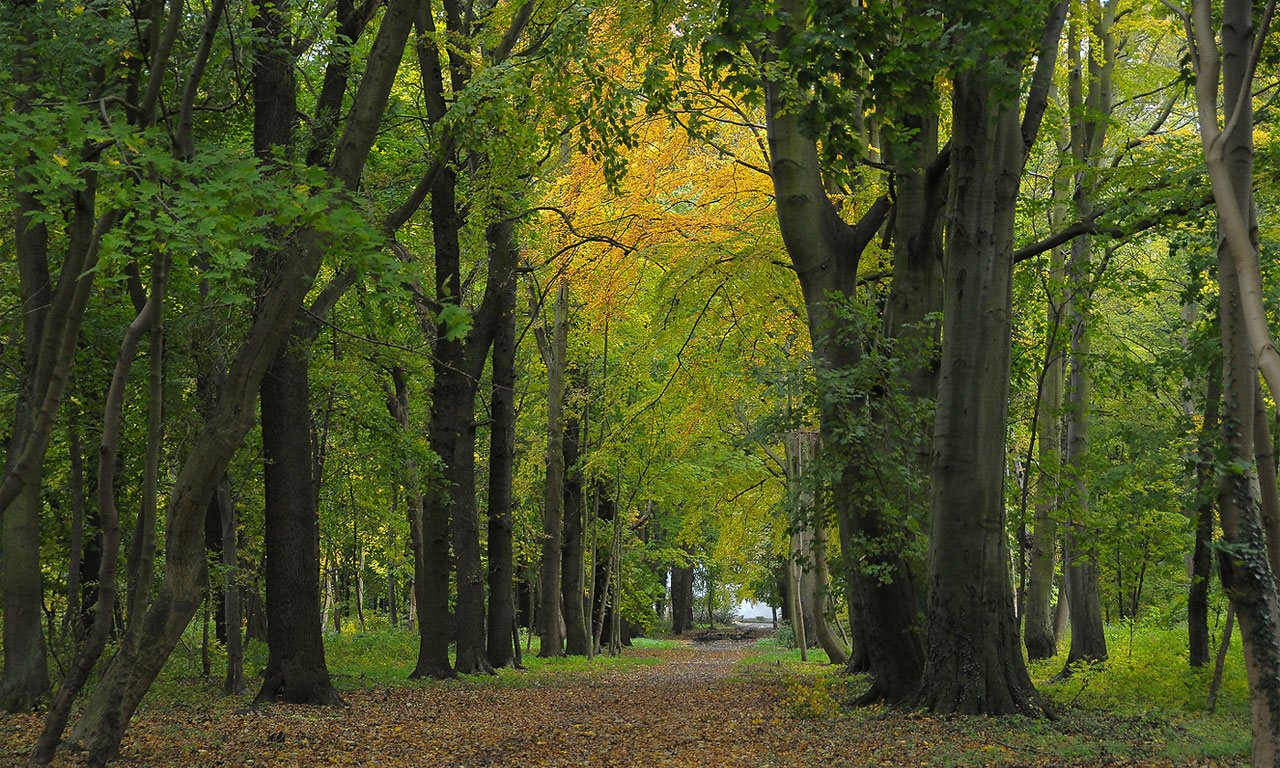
694, 708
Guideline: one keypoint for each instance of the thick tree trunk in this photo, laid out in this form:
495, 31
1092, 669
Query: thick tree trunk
1247, 578
502, 647
553, 353
450, 505
469, 623
825, 252
25, 682
25, 679
974, 660
577, 638
296, 670
681, 599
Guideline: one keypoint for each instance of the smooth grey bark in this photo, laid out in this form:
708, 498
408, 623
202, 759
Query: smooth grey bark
974, 662
810, 544
825, 252
553, 346
1089, 115
1248, 578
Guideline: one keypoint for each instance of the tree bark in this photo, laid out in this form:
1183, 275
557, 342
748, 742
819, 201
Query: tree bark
554, 350
1245, 568
577, 638
825, 252
1202, 553
89, 651
296, 670
681, 599
24, 682
233, 684
974, 661
501, 648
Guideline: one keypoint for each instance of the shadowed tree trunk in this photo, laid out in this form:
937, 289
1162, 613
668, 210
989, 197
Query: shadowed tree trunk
501, 647
681, 599
296, 670
974, 661
233, 684
577, 638
825, 252
25, 679
1202, 554
551, 626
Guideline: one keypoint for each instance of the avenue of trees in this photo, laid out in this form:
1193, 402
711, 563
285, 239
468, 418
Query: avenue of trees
943, 326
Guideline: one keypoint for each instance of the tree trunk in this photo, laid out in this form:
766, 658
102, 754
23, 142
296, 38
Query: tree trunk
470, 575
24, 682
296, 670
825, 252
974, 661
89, 651
681, 599
233, 685
1088, 132
143, 549
1202, 553
1039, 635
835, 649
502, 648
71, 619
554, 349
577, 639
1247, 578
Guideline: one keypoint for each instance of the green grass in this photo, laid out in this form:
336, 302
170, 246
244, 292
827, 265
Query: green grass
381, 658
1144, 704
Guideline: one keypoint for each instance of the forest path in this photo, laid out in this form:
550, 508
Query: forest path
686, 706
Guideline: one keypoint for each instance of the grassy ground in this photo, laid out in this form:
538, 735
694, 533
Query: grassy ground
1145, 706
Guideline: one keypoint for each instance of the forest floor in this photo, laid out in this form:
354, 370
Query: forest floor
729, 702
